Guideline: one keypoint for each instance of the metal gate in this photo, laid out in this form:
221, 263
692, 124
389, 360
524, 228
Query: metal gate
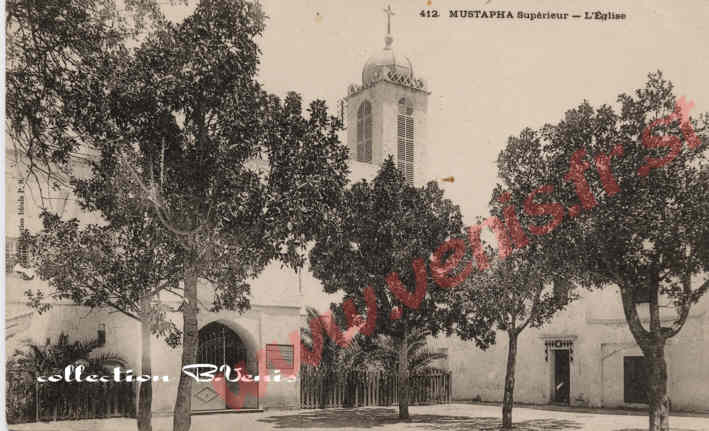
219, 345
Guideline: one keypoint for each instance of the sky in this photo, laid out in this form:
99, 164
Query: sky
489, 78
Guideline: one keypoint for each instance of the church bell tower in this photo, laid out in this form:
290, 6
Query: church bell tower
386, 114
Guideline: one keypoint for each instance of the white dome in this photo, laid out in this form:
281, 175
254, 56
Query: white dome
386, 61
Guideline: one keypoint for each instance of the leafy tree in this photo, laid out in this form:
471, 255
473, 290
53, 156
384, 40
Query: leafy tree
244, 178
378, 244
123, 268
514, 293
55, 52
632, 180
238, 177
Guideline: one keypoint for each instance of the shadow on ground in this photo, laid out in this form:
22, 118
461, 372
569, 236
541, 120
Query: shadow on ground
645, 429
376, 417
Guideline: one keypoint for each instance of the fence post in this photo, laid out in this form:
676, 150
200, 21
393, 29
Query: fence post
356, 397
356, 389
36, 402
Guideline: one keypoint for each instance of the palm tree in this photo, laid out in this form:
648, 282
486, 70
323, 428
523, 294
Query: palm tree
24, 394
330, 350
420, 356
316, 339
360, 354
357, 355
382, 354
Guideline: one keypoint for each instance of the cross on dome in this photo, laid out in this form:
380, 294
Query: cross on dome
388, 39
388, 65
389, 13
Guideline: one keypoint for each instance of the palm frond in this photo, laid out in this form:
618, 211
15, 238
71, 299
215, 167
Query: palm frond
50, 358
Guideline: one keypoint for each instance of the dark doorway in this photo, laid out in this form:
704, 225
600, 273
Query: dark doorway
635, 379
562, 377
219, 345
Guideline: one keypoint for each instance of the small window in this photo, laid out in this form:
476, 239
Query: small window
405, 107
101, 335
635, 379
279, 356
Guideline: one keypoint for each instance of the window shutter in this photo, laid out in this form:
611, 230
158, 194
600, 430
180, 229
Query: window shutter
410, 150
364, 132
405, 141
279, 356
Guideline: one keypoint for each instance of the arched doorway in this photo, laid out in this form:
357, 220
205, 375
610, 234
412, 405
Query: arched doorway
220, 345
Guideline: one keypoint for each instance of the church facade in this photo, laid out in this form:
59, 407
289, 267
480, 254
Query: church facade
585, 357
386, 115
263, 339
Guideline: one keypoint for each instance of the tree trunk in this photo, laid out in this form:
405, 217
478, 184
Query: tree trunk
658, 400
508, 399
183, 404
145, 394
652, 344
404, 377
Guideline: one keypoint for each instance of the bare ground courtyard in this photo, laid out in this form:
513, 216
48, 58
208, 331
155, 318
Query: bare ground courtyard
450, 417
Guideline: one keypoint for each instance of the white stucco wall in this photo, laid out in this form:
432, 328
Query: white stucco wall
602, 340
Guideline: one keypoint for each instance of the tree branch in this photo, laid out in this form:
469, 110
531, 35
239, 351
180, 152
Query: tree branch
159, 208
533, 310
685, 305
631, 315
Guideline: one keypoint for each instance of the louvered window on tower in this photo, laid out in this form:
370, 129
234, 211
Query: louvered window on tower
364, 132
405, 138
